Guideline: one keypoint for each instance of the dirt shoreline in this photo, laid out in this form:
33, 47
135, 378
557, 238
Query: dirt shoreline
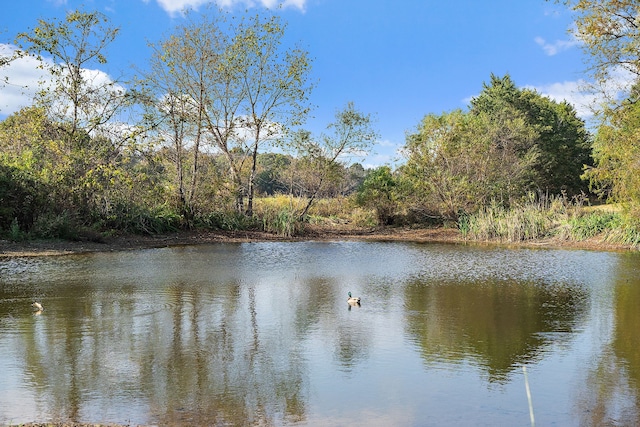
134, 242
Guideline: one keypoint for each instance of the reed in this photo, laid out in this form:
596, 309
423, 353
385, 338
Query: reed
228, 220
279, 214
526, 221
535, 217
594, 223
626, 233
551, 218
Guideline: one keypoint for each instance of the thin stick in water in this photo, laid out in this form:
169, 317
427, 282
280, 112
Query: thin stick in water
526, 384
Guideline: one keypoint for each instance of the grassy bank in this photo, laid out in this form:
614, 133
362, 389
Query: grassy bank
552, 219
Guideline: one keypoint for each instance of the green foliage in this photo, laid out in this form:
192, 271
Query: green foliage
350, 134
616, 149
65, 174
50, 225
75, 43
628, 234
609, 34
527, 221
21, 198
538, 218
229, 220
511, 141
378, 191
270, 178
532, 217
284, 222
360, 217
560, 137
594, 223
460, 162
280, 215
230, 78
142, 220
15, 233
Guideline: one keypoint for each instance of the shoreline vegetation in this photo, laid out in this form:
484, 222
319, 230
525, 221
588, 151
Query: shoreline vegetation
440, 234
550, 223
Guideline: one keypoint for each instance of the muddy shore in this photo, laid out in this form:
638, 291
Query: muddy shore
134, 242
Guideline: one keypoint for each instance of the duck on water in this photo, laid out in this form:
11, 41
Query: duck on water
353, 300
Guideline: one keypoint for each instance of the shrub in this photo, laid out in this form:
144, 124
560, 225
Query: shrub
226, 220
55, 226
131, 218
15, 234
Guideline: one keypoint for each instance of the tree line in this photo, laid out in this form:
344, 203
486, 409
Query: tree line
215, 121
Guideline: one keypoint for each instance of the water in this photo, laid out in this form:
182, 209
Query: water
261, 334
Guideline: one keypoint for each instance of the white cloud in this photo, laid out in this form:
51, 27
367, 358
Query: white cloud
173, 7
19, 81
574, 92
584, 96
556, 47
25, 76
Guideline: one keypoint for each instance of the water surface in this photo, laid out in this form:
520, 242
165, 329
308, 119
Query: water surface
261, 334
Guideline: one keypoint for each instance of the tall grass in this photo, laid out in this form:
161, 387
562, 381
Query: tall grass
545, 218
341, 211
535, 218
627, 231
228, 220
591, 224
280, 214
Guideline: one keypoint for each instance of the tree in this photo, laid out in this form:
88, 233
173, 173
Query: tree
83, 105
22, 198
458, 162
270, 179
610, 33
174, 92
561, 138
241, 86
616, 152
275, 84
31, 144
378, 192
351, 133
84, 100
355, 176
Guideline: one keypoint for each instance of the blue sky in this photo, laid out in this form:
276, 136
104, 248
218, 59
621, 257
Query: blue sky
395, 59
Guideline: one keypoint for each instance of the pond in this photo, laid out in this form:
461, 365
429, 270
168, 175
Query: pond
262, 334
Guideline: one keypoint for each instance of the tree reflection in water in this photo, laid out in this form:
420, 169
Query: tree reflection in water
501, 325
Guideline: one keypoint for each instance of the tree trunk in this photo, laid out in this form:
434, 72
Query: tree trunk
252, 176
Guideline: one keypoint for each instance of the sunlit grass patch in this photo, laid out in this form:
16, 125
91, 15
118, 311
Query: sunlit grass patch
526, 221
281, 213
